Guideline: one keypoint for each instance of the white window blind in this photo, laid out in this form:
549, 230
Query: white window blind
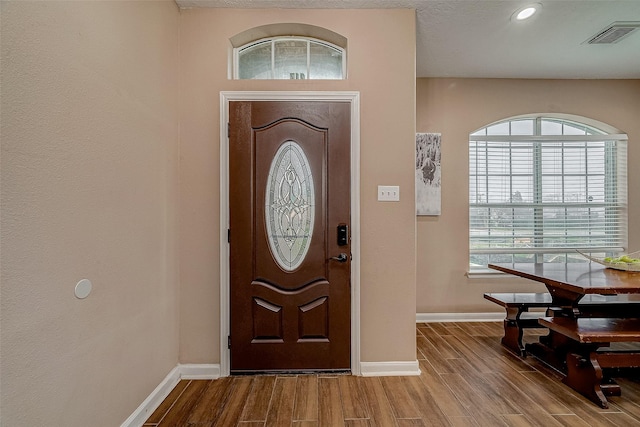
540, 189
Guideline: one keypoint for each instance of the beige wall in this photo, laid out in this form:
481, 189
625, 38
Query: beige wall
89, 102
457, 107
95, 172
381, 65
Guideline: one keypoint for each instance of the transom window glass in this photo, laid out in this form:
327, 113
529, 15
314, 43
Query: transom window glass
542, 188
297, 58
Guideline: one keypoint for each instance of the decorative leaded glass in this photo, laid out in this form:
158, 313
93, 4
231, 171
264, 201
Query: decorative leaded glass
289, 206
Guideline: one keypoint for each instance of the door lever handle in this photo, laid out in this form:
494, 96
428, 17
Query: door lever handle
341, 257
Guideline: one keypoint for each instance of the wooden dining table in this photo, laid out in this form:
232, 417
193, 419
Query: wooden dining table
568, 283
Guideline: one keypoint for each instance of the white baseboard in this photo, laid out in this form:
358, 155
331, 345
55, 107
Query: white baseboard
459, 317
194, 371
180, 372
146, 408
389, 369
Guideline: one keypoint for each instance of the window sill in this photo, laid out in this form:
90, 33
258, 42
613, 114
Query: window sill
488, 274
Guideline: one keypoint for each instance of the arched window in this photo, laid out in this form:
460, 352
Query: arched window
289, 58
313, 53
541, 188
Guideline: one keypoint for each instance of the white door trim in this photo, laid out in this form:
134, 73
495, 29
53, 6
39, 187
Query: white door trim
354, 99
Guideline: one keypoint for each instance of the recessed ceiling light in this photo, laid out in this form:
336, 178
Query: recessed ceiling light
525, 12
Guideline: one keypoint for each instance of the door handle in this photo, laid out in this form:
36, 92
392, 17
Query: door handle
341, 257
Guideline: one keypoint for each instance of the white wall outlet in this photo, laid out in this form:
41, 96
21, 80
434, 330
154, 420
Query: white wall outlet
388, 193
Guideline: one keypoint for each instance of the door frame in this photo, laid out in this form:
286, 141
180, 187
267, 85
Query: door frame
354, 99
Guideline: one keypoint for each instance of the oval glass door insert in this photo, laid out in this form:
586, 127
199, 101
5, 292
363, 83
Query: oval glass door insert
289, 206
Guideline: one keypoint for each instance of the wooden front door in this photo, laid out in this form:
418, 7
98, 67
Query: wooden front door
289, 210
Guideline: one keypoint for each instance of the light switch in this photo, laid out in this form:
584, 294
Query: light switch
388, 193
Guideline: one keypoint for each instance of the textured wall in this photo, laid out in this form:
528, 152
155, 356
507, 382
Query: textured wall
89, 190
385, 76
457, 107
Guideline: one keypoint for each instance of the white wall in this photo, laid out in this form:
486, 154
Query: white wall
89, 190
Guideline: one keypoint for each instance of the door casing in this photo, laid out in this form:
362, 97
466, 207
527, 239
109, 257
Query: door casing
354, 99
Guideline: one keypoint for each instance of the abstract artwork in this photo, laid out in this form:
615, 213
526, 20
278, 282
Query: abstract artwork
428, 174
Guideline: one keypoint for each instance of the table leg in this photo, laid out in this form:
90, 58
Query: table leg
565, 300
552, 349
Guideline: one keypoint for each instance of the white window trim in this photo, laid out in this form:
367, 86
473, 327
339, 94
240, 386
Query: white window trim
487, 273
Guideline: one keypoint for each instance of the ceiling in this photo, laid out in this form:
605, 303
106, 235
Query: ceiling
476, 38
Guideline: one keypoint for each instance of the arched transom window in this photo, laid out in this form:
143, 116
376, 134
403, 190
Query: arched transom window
297, 58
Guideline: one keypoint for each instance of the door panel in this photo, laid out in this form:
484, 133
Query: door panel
290, 302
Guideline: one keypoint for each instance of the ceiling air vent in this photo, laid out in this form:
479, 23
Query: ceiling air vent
614, 33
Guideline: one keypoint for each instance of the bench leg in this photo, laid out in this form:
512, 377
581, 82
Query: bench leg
585, 376
512, 338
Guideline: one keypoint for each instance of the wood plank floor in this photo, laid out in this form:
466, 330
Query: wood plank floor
467, 379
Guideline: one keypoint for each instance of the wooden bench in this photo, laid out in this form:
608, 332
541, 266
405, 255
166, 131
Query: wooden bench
586, 359
518, 317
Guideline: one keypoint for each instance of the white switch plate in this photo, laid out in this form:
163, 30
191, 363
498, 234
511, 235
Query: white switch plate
388, 193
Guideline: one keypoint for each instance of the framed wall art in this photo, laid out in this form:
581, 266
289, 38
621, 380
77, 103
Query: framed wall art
428, 182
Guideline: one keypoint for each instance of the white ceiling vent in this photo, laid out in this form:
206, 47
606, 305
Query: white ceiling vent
614, 33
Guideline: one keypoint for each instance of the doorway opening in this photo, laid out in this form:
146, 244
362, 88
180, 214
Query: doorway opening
350, 98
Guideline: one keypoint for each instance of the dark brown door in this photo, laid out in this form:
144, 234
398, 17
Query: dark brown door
289, 187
